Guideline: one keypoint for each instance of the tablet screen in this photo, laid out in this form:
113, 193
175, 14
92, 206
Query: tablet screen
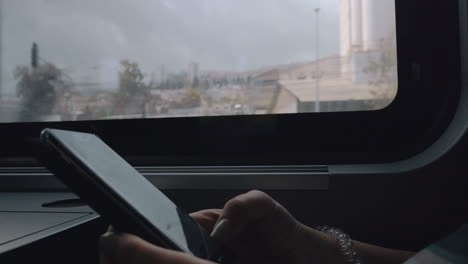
130, 186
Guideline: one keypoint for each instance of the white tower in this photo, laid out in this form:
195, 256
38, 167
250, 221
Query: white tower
378, 22
365, 25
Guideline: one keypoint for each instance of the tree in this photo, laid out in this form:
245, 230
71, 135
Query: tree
39, 88
382, 71
133, 92
192, 98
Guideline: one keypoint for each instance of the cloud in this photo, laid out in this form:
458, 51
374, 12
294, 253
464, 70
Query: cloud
219, 34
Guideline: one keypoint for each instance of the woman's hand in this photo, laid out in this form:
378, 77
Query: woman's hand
118, 248
253, 226
259, 230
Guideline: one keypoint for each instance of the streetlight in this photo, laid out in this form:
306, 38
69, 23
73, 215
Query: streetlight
317, 64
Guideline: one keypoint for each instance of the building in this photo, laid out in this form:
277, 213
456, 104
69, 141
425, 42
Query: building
365, 23
344, 82
365, 27
297, 94
264, 90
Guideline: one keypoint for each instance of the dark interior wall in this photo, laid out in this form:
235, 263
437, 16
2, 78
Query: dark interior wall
407, 211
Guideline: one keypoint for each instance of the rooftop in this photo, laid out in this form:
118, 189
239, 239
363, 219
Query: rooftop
338, 89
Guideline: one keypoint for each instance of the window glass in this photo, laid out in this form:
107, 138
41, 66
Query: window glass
115, 59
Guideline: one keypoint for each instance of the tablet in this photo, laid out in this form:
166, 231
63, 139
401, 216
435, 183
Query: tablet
120, 194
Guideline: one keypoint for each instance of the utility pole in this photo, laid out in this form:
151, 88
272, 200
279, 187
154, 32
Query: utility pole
317, 64
163, 73
34, 56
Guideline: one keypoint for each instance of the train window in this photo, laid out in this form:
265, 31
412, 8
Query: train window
231, 83
95, 60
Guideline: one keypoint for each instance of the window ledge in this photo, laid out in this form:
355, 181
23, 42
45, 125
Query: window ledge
189, 178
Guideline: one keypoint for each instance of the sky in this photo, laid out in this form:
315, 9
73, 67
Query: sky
88, 38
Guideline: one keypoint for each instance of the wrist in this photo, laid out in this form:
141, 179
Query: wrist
320, 247
345, 243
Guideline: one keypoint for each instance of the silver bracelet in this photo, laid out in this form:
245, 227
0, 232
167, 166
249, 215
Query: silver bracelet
345, 242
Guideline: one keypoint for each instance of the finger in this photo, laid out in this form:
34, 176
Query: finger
240, 211
131, 249
207, 218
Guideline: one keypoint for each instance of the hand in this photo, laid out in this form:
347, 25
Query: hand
254, 226
119, 248
259, 230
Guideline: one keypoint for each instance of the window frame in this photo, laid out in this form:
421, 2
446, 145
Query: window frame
393, 134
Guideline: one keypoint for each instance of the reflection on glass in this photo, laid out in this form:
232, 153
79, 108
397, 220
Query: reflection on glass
114, 59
